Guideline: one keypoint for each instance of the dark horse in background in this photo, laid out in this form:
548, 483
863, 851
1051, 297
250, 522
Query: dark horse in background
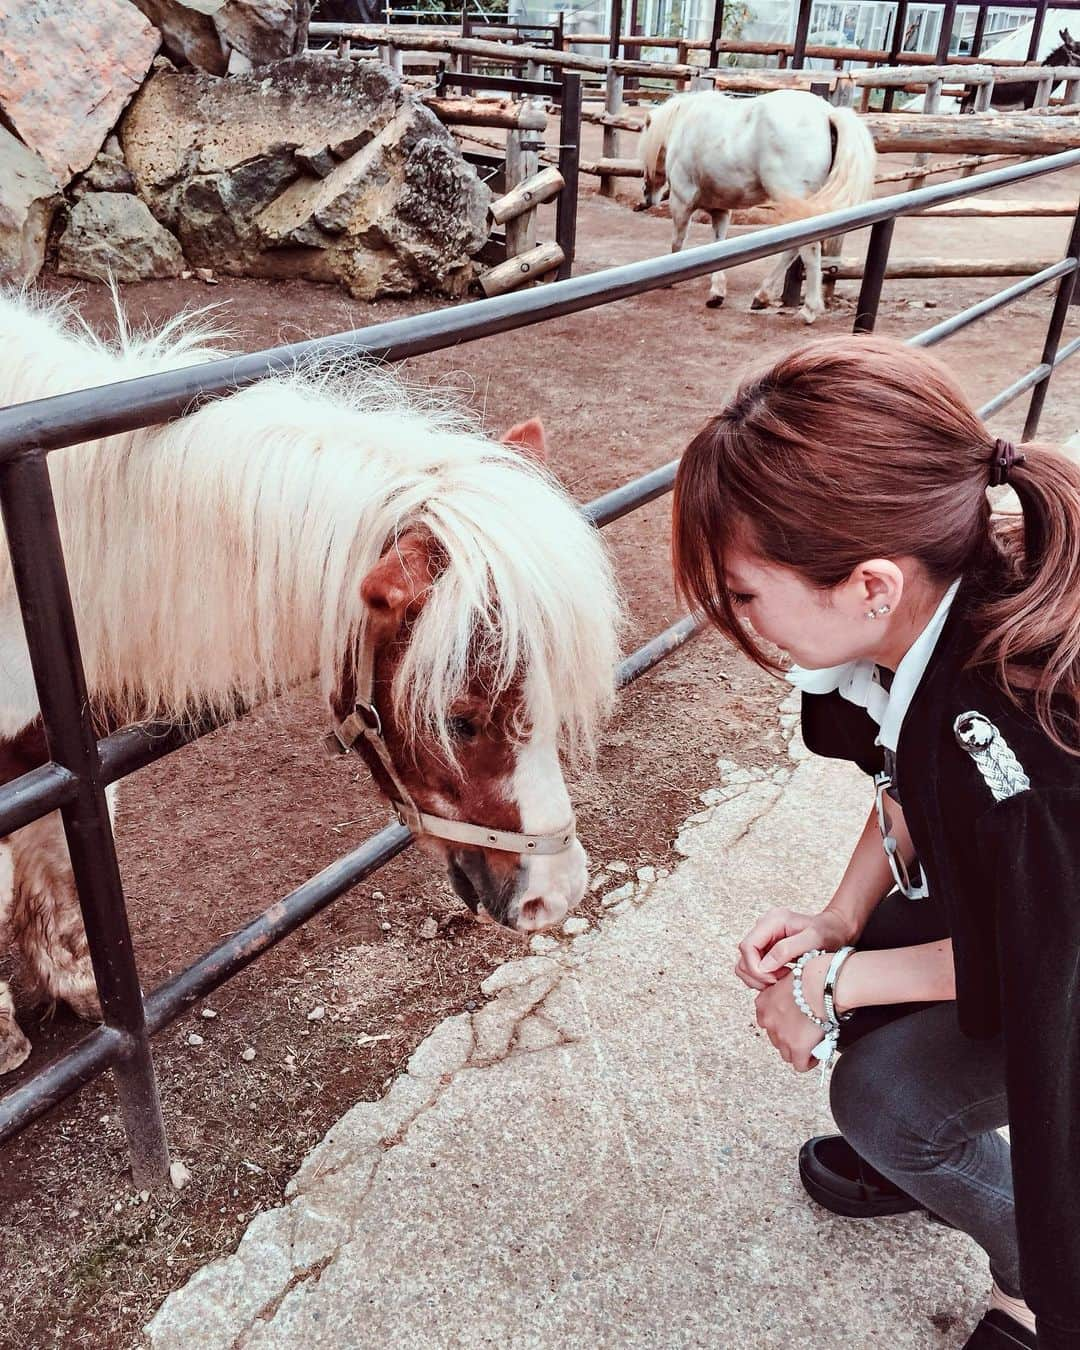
1023, 95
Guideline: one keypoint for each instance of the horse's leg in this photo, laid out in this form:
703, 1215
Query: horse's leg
718, 285
14, 1047
47, 921
814, 303
771, 288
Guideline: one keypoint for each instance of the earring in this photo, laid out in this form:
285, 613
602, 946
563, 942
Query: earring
877, 613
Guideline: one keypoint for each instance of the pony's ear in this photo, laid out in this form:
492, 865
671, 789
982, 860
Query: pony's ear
530, 437
401, 579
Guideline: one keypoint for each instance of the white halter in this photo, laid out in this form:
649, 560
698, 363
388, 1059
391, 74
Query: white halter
365, 723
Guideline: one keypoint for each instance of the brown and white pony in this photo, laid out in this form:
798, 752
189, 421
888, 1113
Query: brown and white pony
315, 522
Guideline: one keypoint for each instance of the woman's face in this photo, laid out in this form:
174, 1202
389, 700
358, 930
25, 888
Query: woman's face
815, 627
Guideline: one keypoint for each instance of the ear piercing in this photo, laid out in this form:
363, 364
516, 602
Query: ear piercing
877, 613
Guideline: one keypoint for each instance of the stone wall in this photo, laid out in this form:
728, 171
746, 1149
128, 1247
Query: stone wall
149, 137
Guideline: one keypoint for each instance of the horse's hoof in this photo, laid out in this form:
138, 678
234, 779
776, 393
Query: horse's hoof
759, 302
807, 314
714, 302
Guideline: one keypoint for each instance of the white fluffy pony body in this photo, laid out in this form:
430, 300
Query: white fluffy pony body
717, 154
218, 558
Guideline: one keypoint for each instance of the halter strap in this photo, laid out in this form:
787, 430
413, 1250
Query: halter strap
364, 723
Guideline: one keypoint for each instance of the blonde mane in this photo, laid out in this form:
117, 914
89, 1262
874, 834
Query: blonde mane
218, 559
658, 128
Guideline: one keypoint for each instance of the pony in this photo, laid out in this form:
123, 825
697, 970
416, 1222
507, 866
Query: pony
789, 148
460, 613
1023, 95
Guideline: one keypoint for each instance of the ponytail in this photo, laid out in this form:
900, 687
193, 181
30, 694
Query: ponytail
1030, 631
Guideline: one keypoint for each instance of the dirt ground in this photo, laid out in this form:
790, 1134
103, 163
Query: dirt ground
211, 836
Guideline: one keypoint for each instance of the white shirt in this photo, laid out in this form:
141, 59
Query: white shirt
858, 682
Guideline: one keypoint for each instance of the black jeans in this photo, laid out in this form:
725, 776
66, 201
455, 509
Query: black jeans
922, 1102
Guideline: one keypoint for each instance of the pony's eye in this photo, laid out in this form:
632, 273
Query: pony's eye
463, 728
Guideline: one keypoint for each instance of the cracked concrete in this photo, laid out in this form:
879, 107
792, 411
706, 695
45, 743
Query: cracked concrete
603, 1155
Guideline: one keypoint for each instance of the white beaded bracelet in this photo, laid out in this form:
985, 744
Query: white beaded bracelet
825, 1050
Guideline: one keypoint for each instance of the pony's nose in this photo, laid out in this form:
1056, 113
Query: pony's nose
541, 911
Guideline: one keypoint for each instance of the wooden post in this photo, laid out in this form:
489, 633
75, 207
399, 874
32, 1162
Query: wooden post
842, 97
527, 195
717, 33
613, 88
1072, 92
980, 28
1037, 31
344, 48
569, 162
525, 267
931, 101
984, 96
1042, 94
802, 32
896, 46
948, 19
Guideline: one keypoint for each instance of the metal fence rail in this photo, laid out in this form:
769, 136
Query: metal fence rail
81, 766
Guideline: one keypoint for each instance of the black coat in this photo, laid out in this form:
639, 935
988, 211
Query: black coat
1008, 876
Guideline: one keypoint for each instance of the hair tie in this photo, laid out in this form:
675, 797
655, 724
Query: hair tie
1004, 457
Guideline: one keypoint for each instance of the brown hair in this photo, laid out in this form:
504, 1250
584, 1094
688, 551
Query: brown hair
851, 448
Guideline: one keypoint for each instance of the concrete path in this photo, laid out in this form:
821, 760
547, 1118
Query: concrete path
604, 1154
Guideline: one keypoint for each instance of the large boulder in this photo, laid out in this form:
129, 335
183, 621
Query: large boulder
204, 33
29, 194
309, 167
67, 70
113, 234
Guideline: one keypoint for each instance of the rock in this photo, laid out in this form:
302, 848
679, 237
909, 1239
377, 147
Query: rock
67, 70
377, 895
540, 944
245, 171
384, 926
206, 274
113, 234
247, 1054
179, 1175
429, 929
29, 195
317, 1013
616, 896
206, 33
195, 1039
209, 1014
646, 875
264, 30
144, 1197
108, 173
575, 925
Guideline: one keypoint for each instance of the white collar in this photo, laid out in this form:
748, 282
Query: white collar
857, 681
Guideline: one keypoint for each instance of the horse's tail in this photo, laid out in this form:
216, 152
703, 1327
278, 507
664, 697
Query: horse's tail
850, 180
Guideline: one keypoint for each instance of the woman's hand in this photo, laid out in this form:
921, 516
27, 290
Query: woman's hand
783, 935
791, 1031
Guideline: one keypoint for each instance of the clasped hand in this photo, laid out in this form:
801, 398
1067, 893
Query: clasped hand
781, 936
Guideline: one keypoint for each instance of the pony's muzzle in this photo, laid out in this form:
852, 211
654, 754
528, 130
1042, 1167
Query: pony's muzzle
527, 894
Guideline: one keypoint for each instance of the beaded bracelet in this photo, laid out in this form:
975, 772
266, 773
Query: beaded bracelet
825, 1050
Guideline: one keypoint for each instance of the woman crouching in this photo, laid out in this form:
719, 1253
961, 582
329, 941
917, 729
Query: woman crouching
837, 509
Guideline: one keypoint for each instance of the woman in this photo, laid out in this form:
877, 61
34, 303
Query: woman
837, 510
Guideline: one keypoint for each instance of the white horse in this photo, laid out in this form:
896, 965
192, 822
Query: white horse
788, 148
436, 579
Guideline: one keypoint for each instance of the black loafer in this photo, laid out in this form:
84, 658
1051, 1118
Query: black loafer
838, 1179
998, 1331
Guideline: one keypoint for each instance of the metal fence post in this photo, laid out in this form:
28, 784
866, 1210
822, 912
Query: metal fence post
877, 258
37, 561
1067, 286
